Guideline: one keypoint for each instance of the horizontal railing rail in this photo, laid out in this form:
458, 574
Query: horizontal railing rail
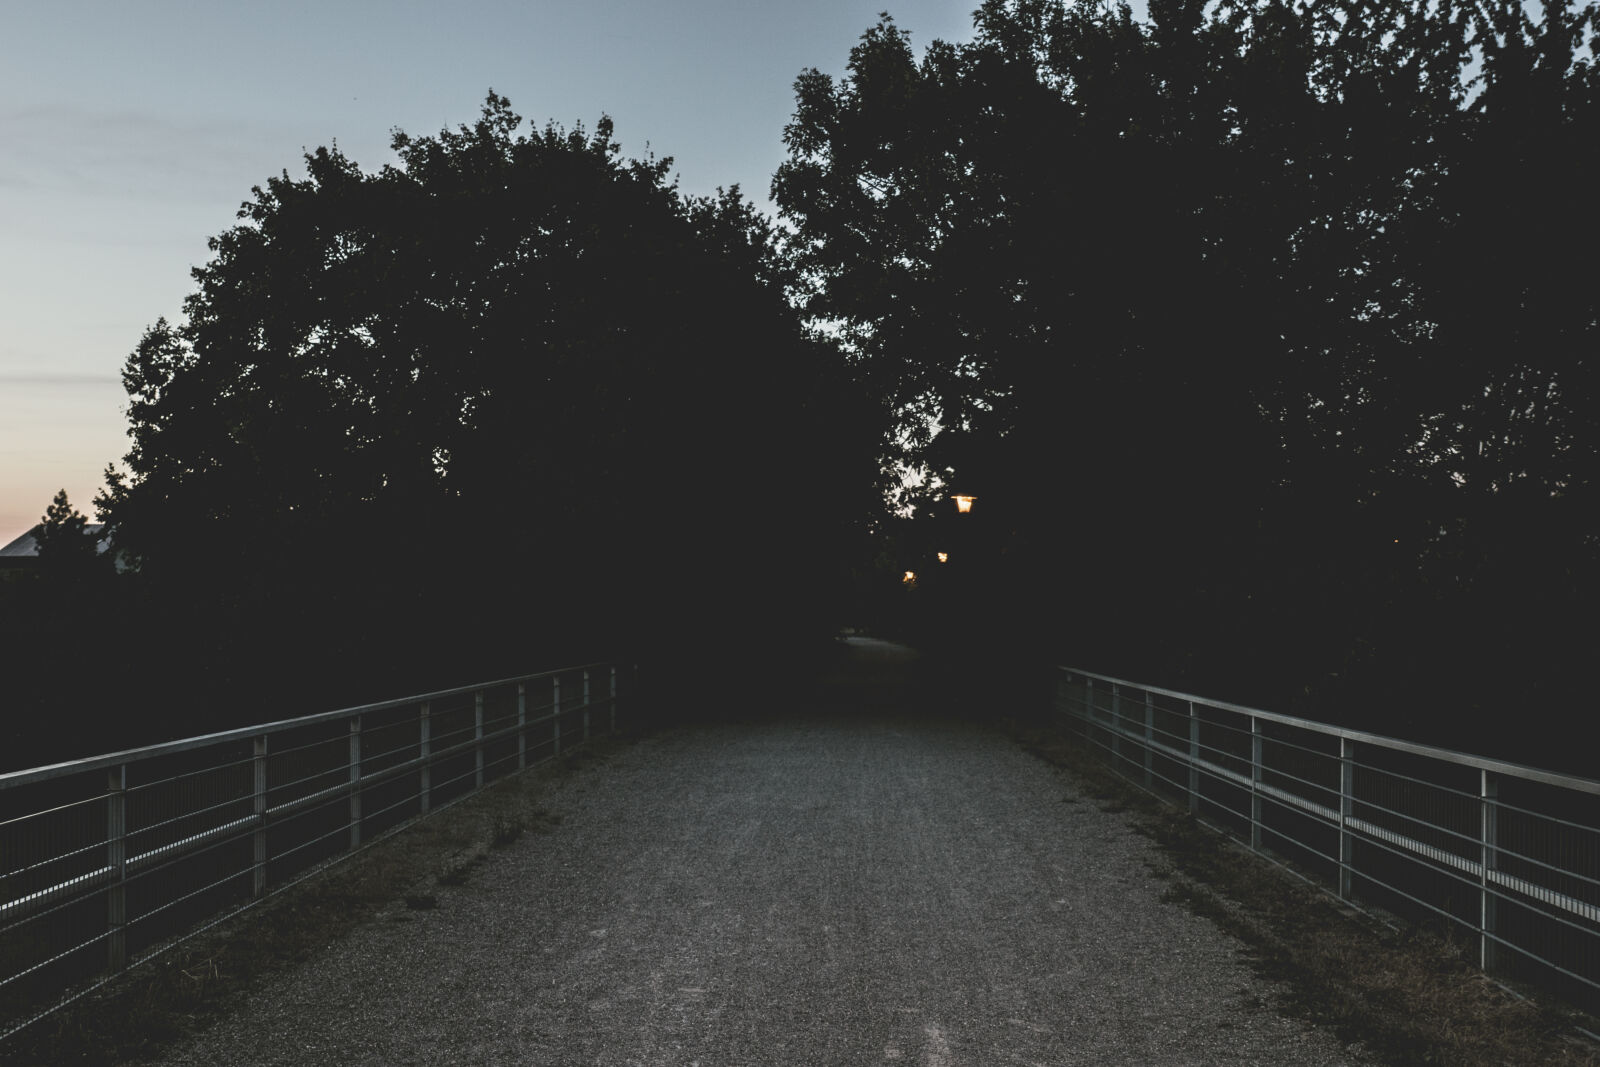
106, 862
1508, 854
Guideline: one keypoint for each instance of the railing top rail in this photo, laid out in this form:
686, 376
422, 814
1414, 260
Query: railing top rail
111, 759
1516, 770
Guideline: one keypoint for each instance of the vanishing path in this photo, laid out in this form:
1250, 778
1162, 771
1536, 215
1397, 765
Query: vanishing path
857, 885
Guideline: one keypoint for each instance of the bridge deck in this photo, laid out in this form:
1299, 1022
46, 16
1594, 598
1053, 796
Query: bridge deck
855, 885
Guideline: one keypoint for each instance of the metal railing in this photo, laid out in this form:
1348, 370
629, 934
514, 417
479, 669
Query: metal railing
1506, 855
108, 861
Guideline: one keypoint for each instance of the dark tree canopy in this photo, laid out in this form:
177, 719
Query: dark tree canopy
1308, 213
1271, 327
507, 395
65, 542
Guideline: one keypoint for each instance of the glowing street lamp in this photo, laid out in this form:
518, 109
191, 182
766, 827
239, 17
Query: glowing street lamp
963, 503
944, 557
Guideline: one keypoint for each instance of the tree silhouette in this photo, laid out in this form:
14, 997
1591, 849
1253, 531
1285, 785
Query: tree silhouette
508, 397
1250, 319
65, 544
62, 625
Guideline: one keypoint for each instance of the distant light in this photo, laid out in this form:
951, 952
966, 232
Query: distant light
963, 503
944, 557
910, 578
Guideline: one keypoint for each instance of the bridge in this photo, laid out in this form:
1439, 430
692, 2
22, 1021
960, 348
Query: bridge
857, 880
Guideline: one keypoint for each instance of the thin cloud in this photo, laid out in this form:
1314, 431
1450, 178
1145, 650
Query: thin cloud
83, 149
51, 379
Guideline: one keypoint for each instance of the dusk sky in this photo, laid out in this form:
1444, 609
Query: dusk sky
130, 132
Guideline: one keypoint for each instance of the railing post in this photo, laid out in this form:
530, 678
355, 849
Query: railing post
477, 738
522, 726
613, 699
355, 783
1194, 761
586, 704
117, 860
1149, 739
1255, 783
1116, 723
425, 755
1347, 789
555, 714
258, 847
1489, 794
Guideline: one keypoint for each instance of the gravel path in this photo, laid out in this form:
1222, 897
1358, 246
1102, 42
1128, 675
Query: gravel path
855, 885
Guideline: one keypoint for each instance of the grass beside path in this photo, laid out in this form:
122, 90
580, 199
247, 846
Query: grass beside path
1409, 996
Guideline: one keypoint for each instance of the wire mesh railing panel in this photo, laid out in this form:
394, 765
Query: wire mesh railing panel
574, 714
305, 763
1094, 717
1225, 739
454, 762
1411, 884
52, 835
1307, 840
1220, 748
1302, 764
1166, 759
50, 950
1549, 836
1545, 864
1539, 942
171, 797
55, 864
303, 837
389, 739
1423, 800
500, 752
214, 876
389, 803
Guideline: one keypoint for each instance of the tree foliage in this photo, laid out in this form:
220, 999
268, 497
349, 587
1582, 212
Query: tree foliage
1270, 327
506, 398
65, 543
55, 614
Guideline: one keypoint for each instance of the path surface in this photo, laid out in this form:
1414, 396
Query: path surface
858, 885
